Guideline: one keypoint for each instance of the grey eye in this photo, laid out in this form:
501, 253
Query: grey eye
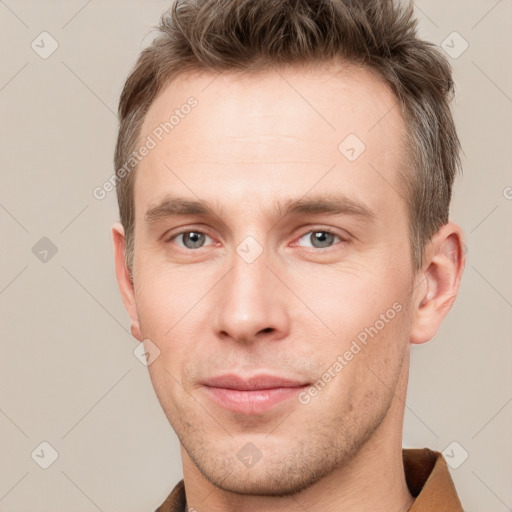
320, 239
192, 239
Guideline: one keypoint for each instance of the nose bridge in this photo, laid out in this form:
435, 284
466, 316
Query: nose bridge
249, 299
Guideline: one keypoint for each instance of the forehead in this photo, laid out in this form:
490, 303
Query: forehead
271, 131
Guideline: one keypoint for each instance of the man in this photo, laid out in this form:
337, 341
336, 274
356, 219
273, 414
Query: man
284, 174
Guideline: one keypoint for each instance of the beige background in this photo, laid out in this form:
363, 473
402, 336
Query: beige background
68, 375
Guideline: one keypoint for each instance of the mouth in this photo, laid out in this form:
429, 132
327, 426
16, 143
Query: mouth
253, 395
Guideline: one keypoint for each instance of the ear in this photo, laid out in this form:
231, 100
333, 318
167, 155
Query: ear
438, 282
124, 279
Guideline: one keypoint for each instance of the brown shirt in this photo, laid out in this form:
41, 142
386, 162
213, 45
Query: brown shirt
426, 474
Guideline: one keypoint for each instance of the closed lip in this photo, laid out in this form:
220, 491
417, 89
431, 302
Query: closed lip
252, 383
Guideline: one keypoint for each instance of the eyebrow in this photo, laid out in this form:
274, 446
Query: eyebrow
326, 203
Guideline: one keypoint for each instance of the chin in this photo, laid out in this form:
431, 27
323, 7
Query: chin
265, 484
278, 477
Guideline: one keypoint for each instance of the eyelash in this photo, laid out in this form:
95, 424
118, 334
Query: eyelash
311, 249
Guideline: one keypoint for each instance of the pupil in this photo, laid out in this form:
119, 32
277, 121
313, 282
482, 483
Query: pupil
321, 237
195, 238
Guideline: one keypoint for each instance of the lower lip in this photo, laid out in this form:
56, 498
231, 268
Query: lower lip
251, 402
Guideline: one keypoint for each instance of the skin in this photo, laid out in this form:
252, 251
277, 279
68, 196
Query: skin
252, 141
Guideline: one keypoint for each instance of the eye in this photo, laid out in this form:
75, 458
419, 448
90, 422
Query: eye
319, 239
190, 239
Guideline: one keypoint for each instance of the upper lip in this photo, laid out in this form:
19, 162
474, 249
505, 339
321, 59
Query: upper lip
260, 381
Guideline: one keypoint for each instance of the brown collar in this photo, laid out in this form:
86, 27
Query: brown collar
429, 480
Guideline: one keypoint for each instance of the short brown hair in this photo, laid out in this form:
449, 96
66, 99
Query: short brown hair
251, 35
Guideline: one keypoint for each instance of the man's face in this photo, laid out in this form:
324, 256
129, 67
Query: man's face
254, 288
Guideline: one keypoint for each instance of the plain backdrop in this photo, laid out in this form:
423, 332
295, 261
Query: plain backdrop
68, 374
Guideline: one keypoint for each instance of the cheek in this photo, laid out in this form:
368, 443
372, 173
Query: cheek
160, 309
361, 331
366, 365
165, 296
169, 310
345, 300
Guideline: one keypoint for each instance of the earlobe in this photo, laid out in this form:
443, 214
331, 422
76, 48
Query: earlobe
438, 284
124, 280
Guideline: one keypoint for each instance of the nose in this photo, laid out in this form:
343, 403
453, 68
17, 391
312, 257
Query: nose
251, 303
